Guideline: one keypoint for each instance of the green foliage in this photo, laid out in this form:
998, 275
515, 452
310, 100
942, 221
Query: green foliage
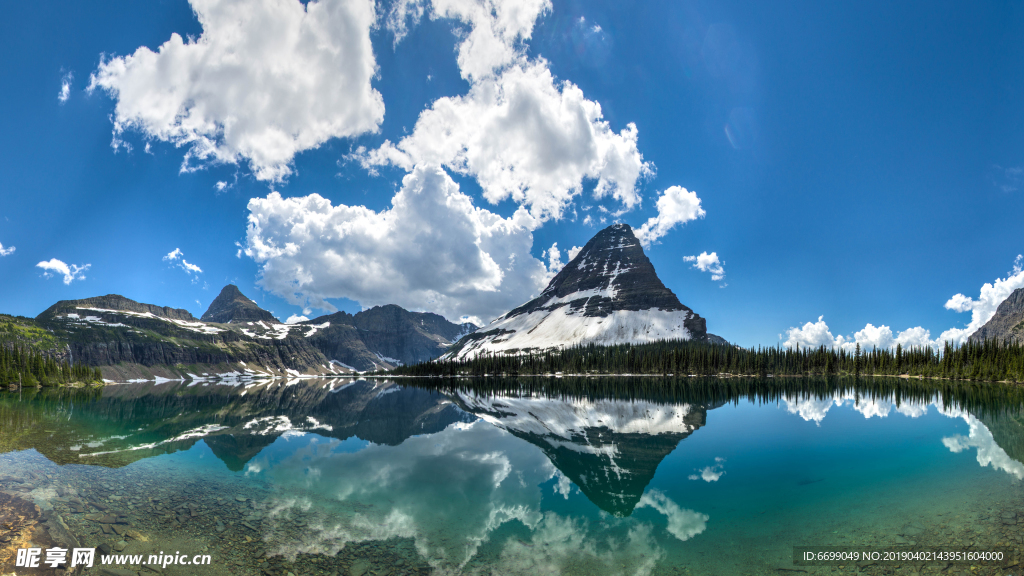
26, 332
24, 365
989, 361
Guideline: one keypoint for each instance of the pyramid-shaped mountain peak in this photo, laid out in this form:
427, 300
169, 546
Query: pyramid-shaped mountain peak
608, 294
233, 306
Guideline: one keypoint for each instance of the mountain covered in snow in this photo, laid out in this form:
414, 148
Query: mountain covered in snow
608, 294
610, 449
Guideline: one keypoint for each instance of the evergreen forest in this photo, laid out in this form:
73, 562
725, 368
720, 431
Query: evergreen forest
982, 361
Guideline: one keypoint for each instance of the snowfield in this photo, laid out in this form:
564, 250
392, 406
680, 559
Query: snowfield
558, 328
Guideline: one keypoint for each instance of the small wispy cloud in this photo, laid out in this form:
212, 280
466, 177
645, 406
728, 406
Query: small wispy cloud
6, 251
177, 258
1007, 179
710, 473
65, 87
70, 272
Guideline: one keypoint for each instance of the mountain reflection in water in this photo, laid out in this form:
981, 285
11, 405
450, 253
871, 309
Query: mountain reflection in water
478, 474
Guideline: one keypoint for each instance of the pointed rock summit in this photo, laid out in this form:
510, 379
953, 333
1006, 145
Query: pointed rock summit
1007, 325
610, 449
232, 306
608, 294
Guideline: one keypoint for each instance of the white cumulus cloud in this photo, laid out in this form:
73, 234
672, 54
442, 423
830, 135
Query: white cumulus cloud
295, 319
6, 251
70, 272
710, 473
177, 258
522, 134
815, 334
682, 523
477, 264
708, 263
811, 335
984, 308
992, 295
265, 81
554, 256
677, 205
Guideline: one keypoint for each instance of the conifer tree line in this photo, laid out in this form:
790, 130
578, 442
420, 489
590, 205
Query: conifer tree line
985, 361
993, 399
29, 368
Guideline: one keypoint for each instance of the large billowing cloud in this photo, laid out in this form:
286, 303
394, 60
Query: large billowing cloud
432, 250
524, 137
522, 134
265, 81
814, 334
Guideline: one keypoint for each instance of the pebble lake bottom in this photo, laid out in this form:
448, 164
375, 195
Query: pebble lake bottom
373, 477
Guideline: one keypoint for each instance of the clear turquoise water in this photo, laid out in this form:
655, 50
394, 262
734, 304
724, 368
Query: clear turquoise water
367, 477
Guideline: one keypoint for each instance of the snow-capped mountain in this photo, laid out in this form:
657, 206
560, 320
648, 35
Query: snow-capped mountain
609, 448
608, 294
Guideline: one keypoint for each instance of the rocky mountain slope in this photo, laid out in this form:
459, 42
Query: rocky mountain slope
232, 306
1008, 322
383, 337
130, 339
609, 448
608, 294
119, 425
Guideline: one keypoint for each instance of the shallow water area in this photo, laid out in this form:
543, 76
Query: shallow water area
570, 476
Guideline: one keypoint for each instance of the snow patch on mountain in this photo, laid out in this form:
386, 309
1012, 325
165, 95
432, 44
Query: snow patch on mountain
546, 329
608, 294
572, 418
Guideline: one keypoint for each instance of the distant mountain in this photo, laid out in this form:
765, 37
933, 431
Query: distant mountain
384, 336
130, 340
1008, 322
608, 294
118, 425
232, 306
116, 302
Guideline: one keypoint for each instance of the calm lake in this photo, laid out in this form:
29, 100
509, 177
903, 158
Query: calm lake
630, 476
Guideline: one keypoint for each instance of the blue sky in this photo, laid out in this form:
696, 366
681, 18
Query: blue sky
863, 162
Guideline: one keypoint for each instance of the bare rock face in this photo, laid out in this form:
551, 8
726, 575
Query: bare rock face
114, 330
384, 336
232, 306
1008, 323
117, 302
608, 294
610, 449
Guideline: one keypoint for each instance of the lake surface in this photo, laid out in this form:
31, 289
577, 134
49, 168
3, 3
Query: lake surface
587, 476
